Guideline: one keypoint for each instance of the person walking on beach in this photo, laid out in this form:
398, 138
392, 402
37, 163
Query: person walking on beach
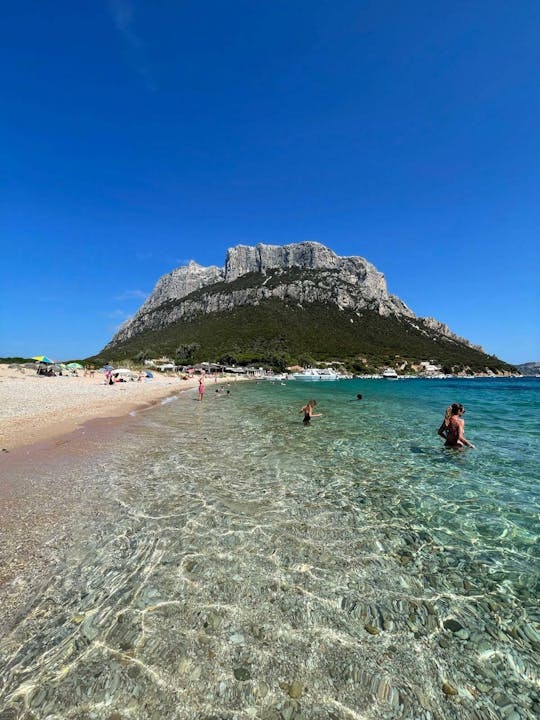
201, 388
454, 434
308, 412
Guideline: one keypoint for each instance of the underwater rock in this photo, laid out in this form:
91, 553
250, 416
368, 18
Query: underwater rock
242, 674
449, 689
371, 629
453, 625
295, 690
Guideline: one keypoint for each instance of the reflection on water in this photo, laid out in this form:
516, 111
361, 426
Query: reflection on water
255, 568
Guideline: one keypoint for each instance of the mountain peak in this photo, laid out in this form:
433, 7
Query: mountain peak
261, 258
270, 296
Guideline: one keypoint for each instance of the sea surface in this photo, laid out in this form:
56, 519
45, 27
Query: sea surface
245, 566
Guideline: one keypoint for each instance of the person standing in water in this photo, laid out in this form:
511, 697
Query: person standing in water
308, 412
201, 388
456, 425
443, 430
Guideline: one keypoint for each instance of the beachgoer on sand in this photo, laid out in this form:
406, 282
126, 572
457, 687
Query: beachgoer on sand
308, 411
454, 432
201, 388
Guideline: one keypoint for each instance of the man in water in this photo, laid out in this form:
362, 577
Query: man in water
454, 431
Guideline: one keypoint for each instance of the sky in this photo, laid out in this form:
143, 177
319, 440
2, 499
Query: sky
138, 135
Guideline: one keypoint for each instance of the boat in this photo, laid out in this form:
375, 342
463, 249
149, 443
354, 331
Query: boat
316, 375
390, 374
329, 374
278, 377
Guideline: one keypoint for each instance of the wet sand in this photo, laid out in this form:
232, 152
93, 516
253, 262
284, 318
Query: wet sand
50, 426
44, 507
37, 408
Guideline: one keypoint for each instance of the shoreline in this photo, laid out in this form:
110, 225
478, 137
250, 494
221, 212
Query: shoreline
49, 428
155, 537
37, 409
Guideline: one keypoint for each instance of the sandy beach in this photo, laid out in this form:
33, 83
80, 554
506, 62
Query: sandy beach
47, 426
37, 408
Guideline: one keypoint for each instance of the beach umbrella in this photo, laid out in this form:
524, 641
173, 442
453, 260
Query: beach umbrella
74, 366
149, 374
43, 359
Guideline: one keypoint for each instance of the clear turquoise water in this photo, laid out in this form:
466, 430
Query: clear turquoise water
246, 566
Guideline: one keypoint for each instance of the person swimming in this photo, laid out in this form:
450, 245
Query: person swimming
454, 434
308, 411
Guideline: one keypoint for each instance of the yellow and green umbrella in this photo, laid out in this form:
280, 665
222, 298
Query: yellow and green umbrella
43, 359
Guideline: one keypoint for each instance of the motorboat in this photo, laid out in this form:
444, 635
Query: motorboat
316, 375
308, 375
329, 374
278, 377
390, 374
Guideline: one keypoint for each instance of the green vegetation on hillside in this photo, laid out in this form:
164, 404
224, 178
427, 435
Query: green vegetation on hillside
278, 334
13, 360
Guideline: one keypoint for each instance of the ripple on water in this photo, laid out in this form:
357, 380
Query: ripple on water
255, 568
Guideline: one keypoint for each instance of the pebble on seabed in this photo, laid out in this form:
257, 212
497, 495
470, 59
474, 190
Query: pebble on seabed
449, 689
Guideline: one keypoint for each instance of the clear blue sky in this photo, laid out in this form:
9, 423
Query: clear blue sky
138, 135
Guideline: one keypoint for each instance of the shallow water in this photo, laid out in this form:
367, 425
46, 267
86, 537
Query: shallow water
246, 566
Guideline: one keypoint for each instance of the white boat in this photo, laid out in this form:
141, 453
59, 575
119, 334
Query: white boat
316, 375
329, 374
276, 378
390, 374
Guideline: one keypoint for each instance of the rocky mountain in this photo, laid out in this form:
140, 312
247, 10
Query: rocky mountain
310, 290
529, 368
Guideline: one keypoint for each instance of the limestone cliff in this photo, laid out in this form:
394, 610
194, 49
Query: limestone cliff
321, 276
181, 282
300, 274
